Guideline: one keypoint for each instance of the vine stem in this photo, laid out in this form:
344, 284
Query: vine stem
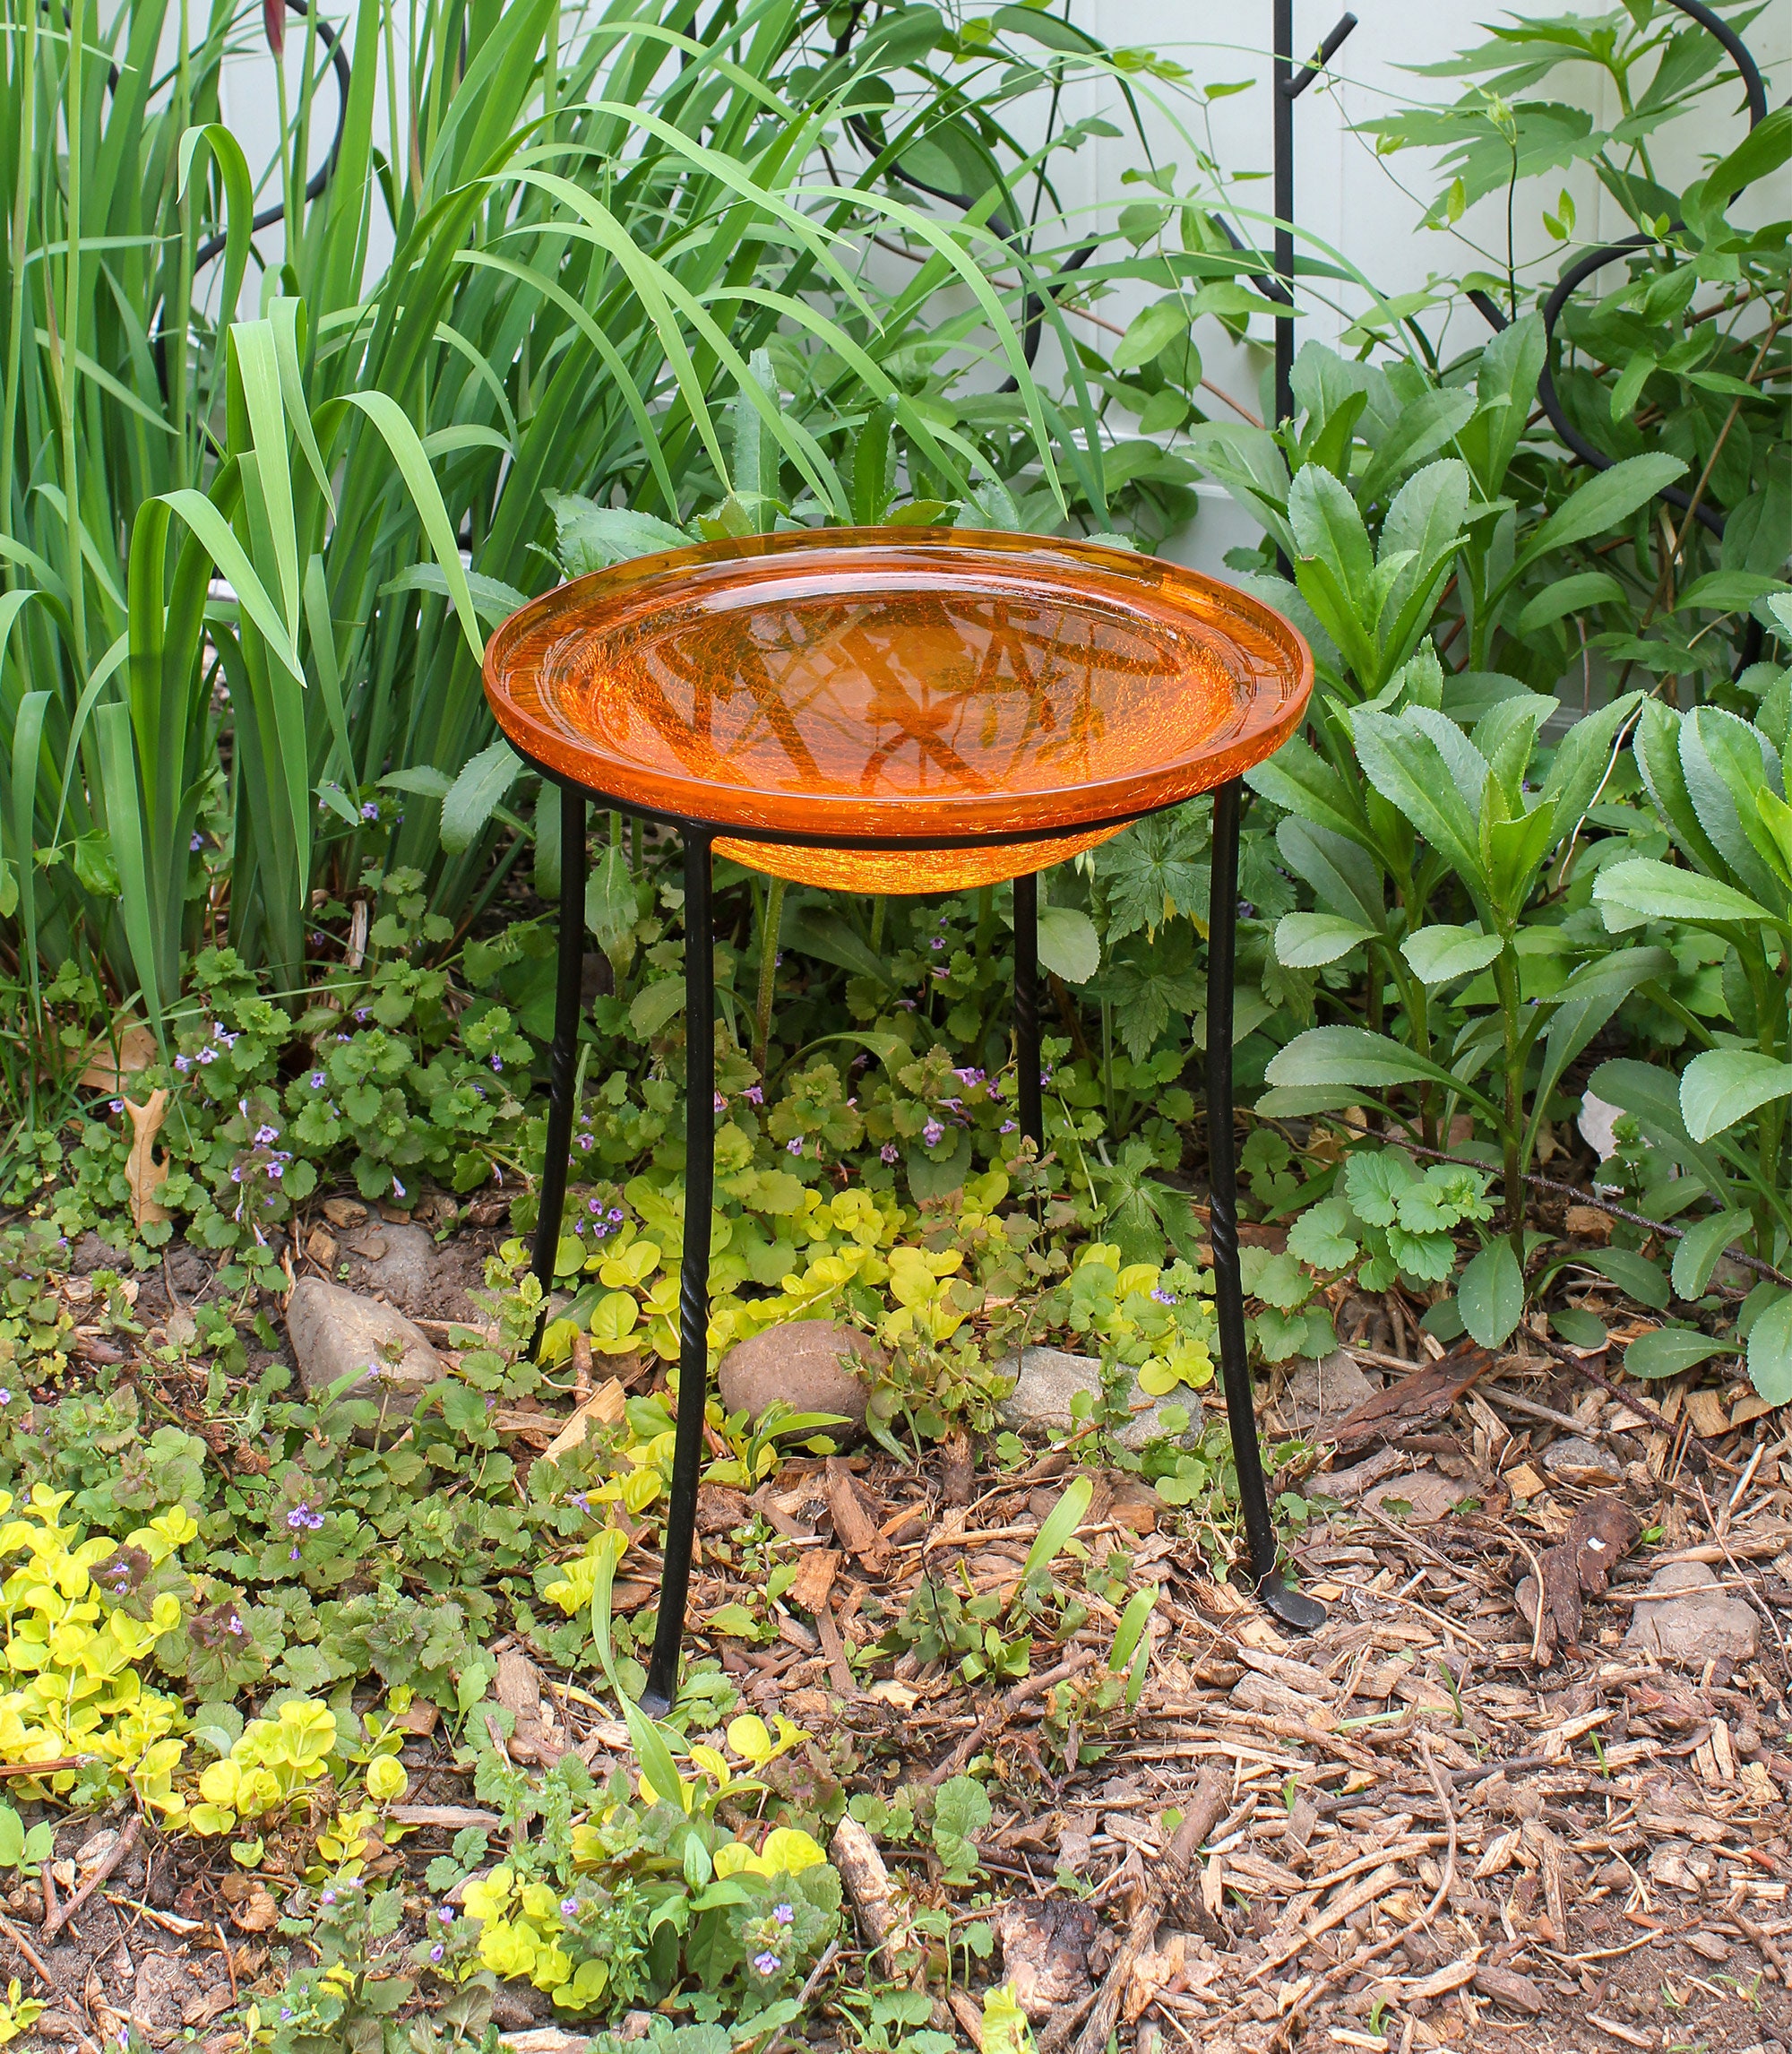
768, 968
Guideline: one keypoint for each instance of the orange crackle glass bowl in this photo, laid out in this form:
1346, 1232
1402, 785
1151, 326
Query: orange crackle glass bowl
895, 710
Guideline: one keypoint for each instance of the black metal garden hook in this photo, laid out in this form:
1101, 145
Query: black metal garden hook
215, 246
1708, 516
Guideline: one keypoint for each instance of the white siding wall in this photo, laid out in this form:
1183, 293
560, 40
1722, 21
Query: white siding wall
1345, 198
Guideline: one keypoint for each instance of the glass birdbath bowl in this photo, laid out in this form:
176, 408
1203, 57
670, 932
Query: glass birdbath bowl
890, 710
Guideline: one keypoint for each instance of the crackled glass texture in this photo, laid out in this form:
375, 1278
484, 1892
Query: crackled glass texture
989, 702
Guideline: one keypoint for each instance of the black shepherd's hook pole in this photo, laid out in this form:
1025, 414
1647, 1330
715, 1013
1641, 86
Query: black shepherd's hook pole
1708, 516
1286, 86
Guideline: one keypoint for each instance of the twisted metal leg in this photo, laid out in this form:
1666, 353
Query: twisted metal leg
694, 1274
1291, 1607
1027, 1004
563, 1056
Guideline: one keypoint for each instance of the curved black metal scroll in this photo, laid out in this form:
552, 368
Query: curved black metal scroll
1583, 268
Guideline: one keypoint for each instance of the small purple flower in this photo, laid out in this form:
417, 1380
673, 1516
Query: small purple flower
721, 1103
767, 1963
887, 1153
197, 843
236, 1625
398, 1187
435, 1952
1008, 1126
586, 1140
497, 1062
316, 1080
931, 1133
615, 1215
754, 1094
295, 1555
596, 1205
300, 1515
266, 1137
369, 811
277, 1170
784, 1915
220, 1032
207, 1054
968, 1076
117, 1105
569, 1907
953, 1105
236, 1174
361, 1015
905, 1004
939, 976
445, 1913
937, 942
579, 1227
793, 1148
1165, 1297
329, 1897
5, 1395
182, 1064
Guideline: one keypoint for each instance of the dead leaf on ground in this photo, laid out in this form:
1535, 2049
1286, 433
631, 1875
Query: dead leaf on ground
107, 1069
1598, 1537
257, 1914
142, 1172
1414, 1402
603, 1407
1045, 1951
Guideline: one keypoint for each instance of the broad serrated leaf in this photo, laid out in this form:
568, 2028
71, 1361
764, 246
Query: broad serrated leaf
1440, 953
1725, 1085
1642, 889
481, 785
1069, 945
1699, 1249
1307, 941
1668, 1349
1769, 1352
1491, 1294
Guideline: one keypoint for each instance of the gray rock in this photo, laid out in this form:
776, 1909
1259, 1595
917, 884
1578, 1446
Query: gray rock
397, 1260
1695, 1620
1576, 1460
336, 1333
1047, 1379
801, 1363
1321, 1393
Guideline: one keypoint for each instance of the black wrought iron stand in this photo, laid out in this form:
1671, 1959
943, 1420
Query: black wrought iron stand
699, 1095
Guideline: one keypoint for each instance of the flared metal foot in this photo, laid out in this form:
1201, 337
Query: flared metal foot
1228, 1289
1293, 1609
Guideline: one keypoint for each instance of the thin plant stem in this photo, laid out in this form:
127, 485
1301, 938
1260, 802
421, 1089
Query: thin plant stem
770, 920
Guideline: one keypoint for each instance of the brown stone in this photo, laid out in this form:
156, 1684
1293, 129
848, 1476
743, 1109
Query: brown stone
801, 1362
336, 1333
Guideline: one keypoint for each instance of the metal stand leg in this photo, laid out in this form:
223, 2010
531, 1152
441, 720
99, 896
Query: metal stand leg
563, 1060
1289, 1606
1027, 1004
694, 1275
